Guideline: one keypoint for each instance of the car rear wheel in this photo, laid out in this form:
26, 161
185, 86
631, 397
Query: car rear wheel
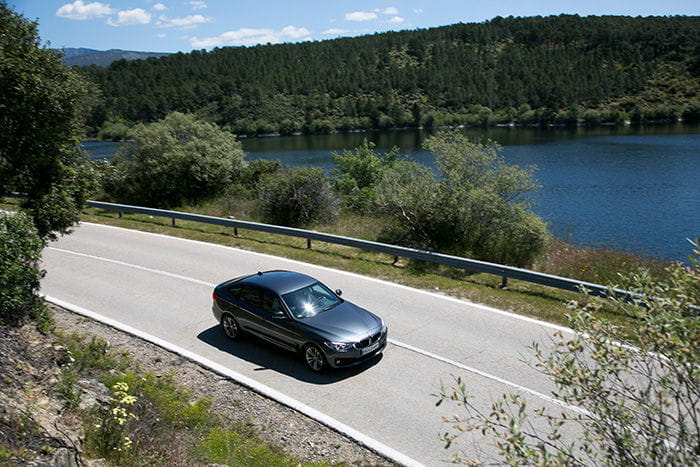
314, 358
230, 326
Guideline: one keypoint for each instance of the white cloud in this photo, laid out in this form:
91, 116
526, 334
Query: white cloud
418, 11
197, 5
250, 36
188, 22
396, 20
131, 17
82, 11
159, 7
389, 11
360, 16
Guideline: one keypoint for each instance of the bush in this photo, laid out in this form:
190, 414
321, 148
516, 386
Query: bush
20, 254
476, 207
636, 399
358, 172
114, 130
296, 196
250, 175
691, 112
176, 160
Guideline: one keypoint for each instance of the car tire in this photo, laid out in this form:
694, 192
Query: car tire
314, 358
230, 327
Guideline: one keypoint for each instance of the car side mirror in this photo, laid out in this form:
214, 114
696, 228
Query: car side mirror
338, 292
278, 315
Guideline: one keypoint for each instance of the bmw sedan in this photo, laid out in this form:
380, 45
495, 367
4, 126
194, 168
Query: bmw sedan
298, 313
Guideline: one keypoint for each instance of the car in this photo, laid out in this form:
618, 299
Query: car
298, 313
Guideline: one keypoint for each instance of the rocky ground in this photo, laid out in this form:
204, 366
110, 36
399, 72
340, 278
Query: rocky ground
38, 432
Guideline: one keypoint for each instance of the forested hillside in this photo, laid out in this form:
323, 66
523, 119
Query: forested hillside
559, 69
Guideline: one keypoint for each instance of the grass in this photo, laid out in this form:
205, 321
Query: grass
152, 420
602, 266
521, 297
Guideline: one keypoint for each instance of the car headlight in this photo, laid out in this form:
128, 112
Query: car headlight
340, 346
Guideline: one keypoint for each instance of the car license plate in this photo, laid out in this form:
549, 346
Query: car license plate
371, 348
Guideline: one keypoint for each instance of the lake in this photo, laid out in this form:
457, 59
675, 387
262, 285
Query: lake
628, 188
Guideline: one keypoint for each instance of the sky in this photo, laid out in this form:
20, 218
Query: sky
186, 25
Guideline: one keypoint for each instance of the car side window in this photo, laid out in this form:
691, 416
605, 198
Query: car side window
248, 294
271, 303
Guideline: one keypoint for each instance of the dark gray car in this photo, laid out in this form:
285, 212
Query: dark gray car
298, 313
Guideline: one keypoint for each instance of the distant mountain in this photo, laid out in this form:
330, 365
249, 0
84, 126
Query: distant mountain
82, 56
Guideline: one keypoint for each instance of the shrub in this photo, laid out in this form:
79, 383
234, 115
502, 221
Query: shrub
691, 111
358, 172
114, 130
250, 175
636, 399
476, 206
20, 254
176, 160
296, 196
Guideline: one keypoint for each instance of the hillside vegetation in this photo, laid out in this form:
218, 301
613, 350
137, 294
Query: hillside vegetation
536, 70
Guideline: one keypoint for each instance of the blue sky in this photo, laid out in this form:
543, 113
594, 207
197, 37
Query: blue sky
184, 25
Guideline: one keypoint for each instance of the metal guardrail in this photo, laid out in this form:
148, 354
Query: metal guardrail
396, 251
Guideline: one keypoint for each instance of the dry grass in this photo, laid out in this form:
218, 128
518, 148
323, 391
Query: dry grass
601, 266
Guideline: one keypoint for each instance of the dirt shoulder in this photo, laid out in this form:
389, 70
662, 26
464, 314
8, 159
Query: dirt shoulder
31, 360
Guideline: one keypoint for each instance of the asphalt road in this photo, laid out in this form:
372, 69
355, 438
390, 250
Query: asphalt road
162, 286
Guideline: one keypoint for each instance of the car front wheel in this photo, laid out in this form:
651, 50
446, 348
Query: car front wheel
230, 325
314, 358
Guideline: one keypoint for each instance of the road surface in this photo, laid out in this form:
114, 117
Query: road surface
162, 286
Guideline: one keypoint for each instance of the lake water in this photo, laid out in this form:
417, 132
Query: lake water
633, 189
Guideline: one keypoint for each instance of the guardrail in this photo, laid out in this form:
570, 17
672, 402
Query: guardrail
396, 251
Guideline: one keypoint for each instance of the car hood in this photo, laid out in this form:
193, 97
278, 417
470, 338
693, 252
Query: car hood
344, 322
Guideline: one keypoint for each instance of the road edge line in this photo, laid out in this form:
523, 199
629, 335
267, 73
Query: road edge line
249, 383
480, 306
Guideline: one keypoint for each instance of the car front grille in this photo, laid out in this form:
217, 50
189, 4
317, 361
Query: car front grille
366, 342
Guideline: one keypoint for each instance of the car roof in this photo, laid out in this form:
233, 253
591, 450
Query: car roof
281, 282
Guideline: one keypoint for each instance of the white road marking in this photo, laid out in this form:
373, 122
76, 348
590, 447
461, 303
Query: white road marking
134, 266
490, 376
408, 347
256, 386
359, 276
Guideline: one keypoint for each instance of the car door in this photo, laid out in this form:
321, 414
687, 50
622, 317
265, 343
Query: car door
281, 328
246, 301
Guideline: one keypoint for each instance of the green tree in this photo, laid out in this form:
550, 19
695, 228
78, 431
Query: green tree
476, 207
178, 159
42, 108
638, 397
296, 196
20, 254
358, 172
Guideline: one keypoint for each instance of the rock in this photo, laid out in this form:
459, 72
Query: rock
62, 457
94, 462
62, 355
93, 394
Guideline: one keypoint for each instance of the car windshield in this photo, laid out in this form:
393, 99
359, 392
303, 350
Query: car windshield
310, 301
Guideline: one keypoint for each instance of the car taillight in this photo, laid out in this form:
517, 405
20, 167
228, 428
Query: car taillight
213, 296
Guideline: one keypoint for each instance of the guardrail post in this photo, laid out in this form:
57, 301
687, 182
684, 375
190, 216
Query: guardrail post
464, 263
235, 231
